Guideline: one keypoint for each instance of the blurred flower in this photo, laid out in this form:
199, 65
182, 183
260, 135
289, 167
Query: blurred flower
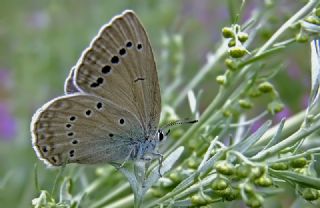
38, 20
257, 124
293, 71
285, 113
304, 101
7, 123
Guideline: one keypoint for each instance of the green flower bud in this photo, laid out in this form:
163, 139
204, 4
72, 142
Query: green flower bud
219, 184
249, 189
227, 113
264, 181
279, 166
224, 193
301, 171
245, 104
243, 171
313, 20
265, 87
176, 134
255, 202
227, 32
243, 37
193, 163
224, 168
231, 43
275, 107
156, 192
235, 194
257, 172
302, 37
221, 79
254, 92
175, 177
197, 199
231, 64
200, 199
237, 51
299, 162
317, 12
310, 194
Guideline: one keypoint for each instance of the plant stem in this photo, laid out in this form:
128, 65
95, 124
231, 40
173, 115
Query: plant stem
299, 15
291, 125
306, 153
123, 202
111, 195
212, 59
291, 140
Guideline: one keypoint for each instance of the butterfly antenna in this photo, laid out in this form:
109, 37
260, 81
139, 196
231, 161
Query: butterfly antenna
179, 122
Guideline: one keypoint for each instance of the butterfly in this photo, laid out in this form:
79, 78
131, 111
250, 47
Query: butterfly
111, 108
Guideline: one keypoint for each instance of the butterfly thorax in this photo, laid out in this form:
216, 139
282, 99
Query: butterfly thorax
147, 149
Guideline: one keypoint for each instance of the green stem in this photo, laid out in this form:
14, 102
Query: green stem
111, 195
212, 60
123, 202
291, 140
299, 15
304, 154
291, 125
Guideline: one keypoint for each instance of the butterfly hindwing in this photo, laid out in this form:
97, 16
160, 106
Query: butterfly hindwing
83, 129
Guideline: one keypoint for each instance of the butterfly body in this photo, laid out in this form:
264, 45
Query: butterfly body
111, 110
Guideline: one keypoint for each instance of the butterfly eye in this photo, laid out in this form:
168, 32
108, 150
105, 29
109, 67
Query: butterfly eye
110, 135
160, 136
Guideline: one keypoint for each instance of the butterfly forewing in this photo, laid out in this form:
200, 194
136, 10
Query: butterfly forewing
119, 65
84, 129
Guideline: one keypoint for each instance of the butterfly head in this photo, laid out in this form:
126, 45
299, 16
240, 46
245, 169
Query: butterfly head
161, 136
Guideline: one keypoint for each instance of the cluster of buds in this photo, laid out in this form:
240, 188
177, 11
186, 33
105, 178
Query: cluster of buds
237, 38
301, 166
310, 27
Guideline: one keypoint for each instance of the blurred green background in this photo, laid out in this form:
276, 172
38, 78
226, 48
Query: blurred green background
40, 40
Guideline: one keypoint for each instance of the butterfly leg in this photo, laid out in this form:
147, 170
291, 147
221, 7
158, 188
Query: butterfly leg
126, 159
160, 158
